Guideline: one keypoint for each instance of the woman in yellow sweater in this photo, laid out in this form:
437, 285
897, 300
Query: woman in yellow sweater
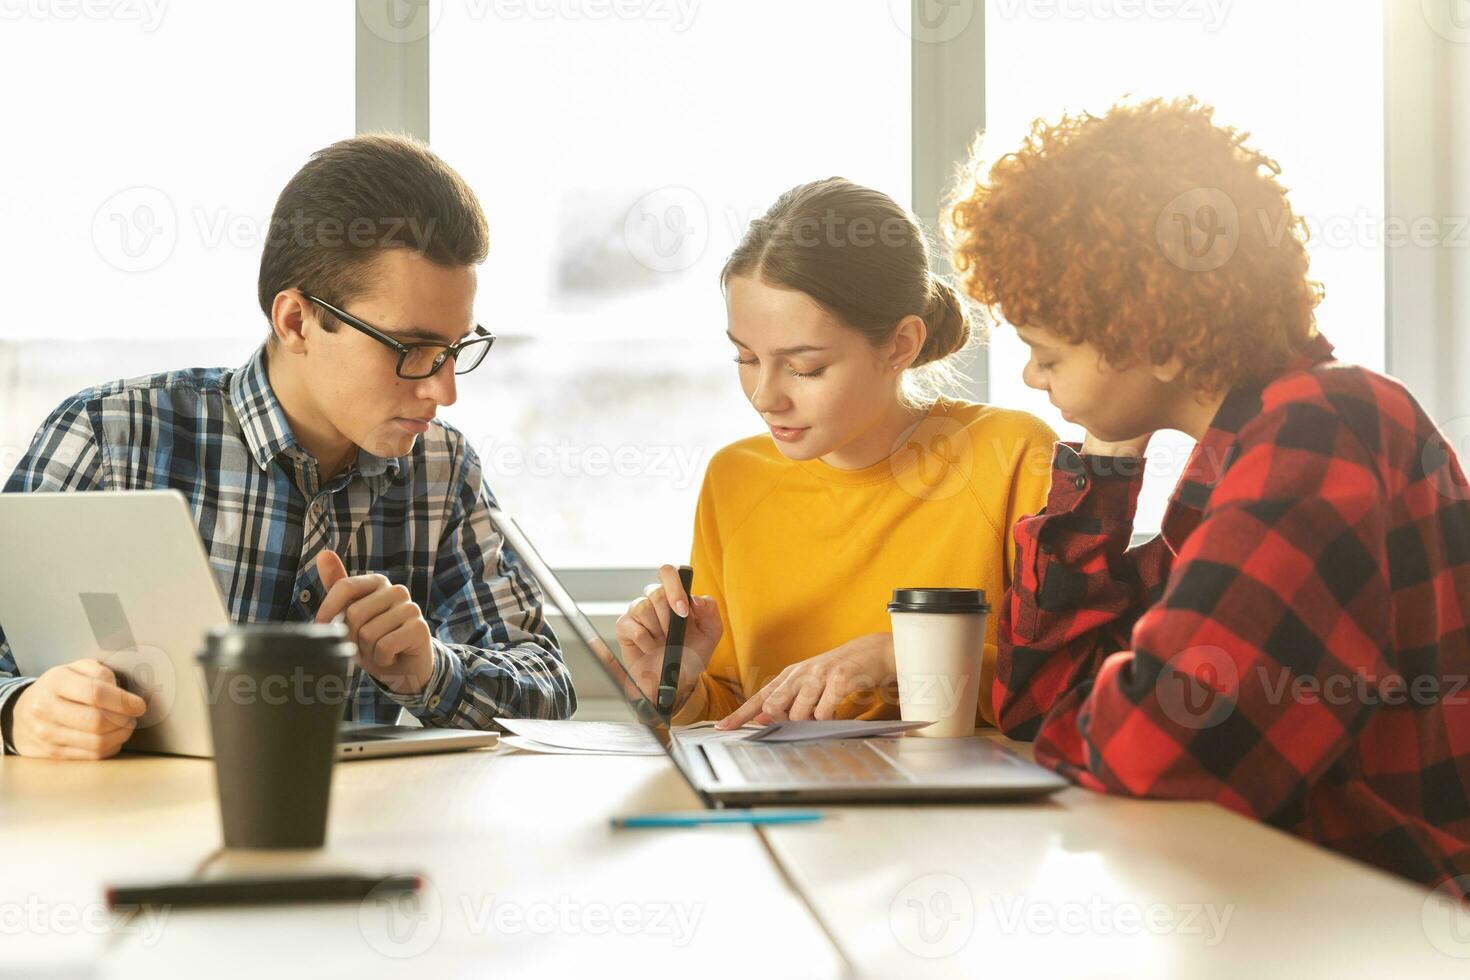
859, 487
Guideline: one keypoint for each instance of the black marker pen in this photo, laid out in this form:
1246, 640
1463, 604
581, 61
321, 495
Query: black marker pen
668, 680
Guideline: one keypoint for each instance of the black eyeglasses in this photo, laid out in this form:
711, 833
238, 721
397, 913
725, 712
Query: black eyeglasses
420, 360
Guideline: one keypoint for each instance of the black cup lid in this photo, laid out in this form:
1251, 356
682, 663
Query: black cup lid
249, 640
938, 601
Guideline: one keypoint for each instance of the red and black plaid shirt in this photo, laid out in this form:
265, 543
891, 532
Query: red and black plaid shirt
1294, 645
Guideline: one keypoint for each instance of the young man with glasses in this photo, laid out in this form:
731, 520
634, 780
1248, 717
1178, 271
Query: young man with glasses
320, 477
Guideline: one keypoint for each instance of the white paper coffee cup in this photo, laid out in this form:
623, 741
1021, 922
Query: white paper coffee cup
938, 645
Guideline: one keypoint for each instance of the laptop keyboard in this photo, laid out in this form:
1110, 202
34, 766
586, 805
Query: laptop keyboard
837, 761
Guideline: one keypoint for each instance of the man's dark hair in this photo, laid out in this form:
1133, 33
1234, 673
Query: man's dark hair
354, 200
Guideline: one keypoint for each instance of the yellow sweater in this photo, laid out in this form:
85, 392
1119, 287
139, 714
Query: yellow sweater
803, 557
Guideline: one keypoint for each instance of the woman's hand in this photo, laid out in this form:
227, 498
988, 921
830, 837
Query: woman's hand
643, 629
814, 688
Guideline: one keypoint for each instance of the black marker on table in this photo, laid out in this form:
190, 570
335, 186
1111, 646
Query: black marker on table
668, 678
263, 890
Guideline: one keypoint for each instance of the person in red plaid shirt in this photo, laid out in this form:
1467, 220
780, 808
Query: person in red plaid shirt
1294, 644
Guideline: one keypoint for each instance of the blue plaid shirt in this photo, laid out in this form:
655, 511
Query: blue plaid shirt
220, 437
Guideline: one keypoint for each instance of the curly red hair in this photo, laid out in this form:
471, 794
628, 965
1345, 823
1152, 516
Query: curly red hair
1148, 232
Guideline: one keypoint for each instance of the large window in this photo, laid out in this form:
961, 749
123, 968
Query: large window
620, 155
145, 145
1305, 77
620, 150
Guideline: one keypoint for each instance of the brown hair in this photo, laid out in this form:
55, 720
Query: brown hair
860, 255
356, 199
1148, 232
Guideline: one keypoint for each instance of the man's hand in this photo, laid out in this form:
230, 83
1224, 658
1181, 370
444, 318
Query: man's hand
814, 688
75, 711
390, 632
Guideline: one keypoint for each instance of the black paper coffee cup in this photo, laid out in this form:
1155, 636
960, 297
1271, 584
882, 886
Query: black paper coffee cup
276, 696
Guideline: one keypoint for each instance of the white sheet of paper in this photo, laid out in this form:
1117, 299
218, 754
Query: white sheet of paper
806, 731
609, 737
531, 745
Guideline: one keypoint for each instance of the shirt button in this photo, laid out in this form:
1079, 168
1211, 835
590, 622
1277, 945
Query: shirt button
305, 596
1080, 482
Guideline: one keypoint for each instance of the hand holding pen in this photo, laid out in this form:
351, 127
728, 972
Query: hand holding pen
643, 633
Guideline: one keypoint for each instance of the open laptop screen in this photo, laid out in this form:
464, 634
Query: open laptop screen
522, 549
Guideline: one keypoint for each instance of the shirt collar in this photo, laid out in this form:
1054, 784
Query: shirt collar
1216, 451
263, 421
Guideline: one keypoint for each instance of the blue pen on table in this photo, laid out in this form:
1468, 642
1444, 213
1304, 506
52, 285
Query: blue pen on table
700, 818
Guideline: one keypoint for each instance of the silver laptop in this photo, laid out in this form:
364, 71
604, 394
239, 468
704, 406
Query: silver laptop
122, 577
836, 771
